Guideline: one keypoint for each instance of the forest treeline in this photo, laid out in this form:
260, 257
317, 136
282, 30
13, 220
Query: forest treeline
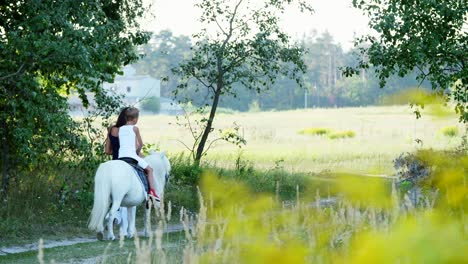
324, 83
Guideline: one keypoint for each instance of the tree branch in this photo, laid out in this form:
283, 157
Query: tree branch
209, 146
219, 26
19, 71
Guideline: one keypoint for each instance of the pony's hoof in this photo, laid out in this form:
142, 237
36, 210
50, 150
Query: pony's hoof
100, 236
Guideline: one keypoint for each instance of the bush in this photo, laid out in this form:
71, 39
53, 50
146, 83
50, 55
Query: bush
342, 134
151, 104
450, 131
433, 173
411, 168
254, 107
315, 131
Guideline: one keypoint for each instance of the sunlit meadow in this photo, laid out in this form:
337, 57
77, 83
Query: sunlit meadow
275, 138
370, 220
369, 223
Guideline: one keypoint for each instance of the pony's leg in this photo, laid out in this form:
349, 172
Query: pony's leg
110, 221
147, 218
131, 221
123, 221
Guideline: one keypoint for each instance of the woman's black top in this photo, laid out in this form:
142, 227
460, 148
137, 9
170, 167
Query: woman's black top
115, 145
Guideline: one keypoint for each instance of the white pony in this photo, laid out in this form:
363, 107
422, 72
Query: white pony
116, 182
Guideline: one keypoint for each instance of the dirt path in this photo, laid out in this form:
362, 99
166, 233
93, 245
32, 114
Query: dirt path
68, 242
168, 229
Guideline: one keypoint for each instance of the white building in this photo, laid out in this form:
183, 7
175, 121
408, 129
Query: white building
134, 87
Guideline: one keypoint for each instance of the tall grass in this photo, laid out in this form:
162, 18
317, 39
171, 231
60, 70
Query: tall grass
265, 204
449, 131
244, 218
369, 224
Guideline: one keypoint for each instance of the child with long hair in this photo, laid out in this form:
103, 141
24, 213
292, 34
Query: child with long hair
131, 144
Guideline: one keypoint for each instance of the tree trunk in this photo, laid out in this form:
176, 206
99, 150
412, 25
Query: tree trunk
5, 161
209, 124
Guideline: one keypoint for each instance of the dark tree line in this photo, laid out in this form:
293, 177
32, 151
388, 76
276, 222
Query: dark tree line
324, 83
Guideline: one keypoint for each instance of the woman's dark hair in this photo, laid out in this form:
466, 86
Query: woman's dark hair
122, 119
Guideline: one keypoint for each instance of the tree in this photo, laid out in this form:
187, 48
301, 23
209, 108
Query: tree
240, 43
49, 48
164, 52
424, 34
151, 104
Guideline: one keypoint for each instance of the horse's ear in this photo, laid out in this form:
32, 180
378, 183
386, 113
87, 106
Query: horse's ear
163, 153
152, 152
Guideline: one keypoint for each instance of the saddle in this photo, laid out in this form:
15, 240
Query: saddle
140, 172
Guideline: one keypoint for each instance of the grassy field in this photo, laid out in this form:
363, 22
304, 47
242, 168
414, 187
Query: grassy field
381, 134
107, 251
272, 204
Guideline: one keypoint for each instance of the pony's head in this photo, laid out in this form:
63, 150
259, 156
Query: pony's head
160, 164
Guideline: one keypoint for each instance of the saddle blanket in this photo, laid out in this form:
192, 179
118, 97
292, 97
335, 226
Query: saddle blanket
140, 172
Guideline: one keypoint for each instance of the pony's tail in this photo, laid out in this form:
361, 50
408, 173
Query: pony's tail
101, 198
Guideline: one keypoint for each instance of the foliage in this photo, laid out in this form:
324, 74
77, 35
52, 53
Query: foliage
427, 35
54, 202
410, 169
164, 52
324, 85
463, 147
449, 131
315, 131
431, 172
151, 104
329, 132
254, 107
342, 134
196, 126
239, 219
148, 147
240, 225
49, 49
247, 47
184, 172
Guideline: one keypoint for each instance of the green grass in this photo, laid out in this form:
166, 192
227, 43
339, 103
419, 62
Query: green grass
31, 212
275, 154
111, 252
342, 134
315, 131
380, 135
449, 131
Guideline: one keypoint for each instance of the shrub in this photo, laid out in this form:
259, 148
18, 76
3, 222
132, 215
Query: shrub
151, 104
450, 131
342, 134
254, 107
315, 131
433, 173
411, 168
